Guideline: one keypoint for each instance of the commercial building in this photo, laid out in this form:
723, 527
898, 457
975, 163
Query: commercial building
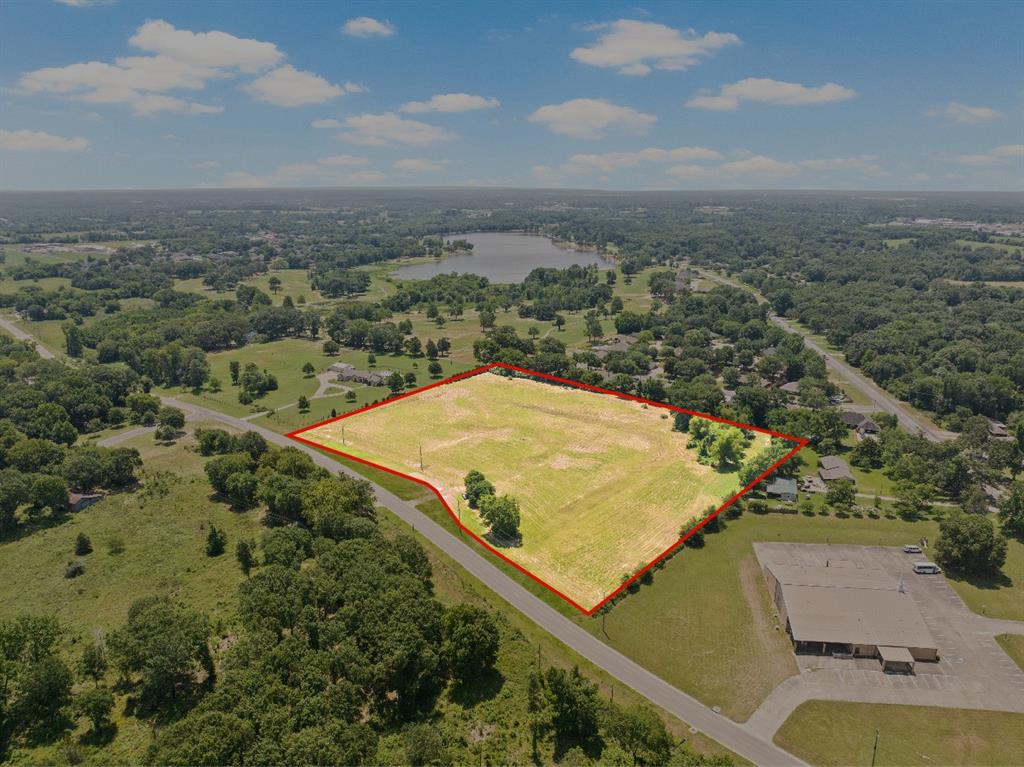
853, 611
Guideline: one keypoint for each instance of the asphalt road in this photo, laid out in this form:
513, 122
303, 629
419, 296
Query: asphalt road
880, 398
730, 734
21, 335
733, 736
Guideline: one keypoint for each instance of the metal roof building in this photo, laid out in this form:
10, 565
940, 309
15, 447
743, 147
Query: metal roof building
850, 610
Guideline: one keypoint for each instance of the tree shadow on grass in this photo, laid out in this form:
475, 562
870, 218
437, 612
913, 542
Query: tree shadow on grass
986, 582
503, 542
592, 747
479, 690
100, 737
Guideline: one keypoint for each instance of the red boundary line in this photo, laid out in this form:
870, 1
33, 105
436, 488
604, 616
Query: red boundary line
801, 442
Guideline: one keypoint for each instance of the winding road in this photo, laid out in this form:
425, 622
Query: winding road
737, 737
880, 399
21, 335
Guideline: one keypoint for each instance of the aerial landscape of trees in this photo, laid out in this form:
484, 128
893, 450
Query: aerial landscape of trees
344, 638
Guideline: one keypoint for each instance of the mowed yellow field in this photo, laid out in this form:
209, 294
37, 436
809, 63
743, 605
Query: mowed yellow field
604, 484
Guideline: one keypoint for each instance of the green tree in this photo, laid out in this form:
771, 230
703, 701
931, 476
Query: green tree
1011, 511
83, 545
234, 368
245, 556
164, 645
171, 417
913, 501
502, 514
274, 283
469, 642
841, 494
396, 382
308, 369
216, 541
970, 543
424, 747
94, 660
303, 404
435, 369
49, 492
641, 733
95, 704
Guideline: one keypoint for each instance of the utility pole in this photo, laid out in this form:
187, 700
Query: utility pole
458, 501
874, 750
421, 456
343, 435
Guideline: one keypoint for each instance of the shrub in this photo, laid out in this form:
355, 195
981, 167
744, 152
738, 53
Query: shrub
83, 545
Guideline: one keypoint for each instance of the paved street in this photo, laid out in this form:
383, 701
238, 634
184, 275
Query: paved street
881, 400
738, 738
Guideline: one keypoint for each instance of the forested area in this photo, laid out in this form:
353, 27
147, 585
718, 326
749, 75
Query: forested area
338, 646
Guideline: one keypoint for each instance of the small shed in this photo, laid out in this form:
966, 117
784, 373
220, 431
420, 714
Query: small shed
833, 468
896, 659
79, 501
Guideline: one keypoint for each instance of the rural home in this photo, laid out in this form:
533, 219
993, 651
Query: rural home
783, 488
868, 429
833, 468
850, 611
791, 389
347, 372
852, 419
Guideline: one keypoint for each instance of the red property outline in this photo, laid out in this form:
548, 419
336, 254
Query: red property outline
801, 442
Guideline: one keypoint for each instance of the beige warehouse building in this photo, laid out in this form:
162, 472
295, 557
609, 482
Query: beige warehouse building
850, 611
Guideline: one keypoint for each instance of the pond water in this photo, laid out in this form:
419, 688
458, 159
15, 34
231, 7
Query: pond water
502, 257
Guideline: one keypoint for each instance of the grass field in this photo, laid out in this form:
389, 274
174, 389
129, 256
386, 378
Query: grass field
164, 537
1013, 645
840, 734
604, 485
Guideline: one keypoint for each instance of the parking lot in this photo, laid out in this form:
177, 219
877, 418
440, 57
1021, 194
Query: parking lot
972, 670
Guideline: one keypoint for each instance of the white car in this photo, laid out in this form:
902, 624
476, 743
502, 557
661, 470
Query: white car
927, 568
911, 548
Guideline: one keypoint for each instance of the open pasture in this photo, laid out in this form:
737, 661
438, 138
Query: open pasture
604, 484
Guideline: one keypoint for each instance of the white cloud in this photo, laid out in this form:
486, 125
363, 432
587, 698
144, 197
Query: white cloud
183, 60
206, 49
590, 118
419, 165
611, 161
38, 141
629, 45
336, 170
329, 122
290, 87
767, 91
450, 102
759, 165
342, 161
962, 113
687, 172
867, 164
388, 128
998, 156
364, 26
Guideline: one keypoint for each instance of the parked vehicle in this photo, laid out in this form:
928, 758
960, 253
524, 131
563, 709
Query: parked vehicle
926, 568
911, 548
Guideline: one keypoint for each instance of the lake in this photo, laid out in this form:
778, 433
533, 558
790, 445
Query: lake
502, 257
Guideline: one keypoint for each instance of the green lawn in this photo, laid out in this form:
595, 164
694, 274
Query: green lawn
975, 245
997, 597
841, 734
164, 538
46, 283
574, 460
17, 255
1013, 645
524, 644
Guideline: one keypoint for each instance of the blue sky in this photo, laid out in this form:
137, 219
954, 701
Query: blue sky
608, 95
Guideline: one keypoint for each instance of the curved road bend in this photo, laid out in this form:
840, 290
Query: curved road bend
21, 335
730, 734
880, 398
